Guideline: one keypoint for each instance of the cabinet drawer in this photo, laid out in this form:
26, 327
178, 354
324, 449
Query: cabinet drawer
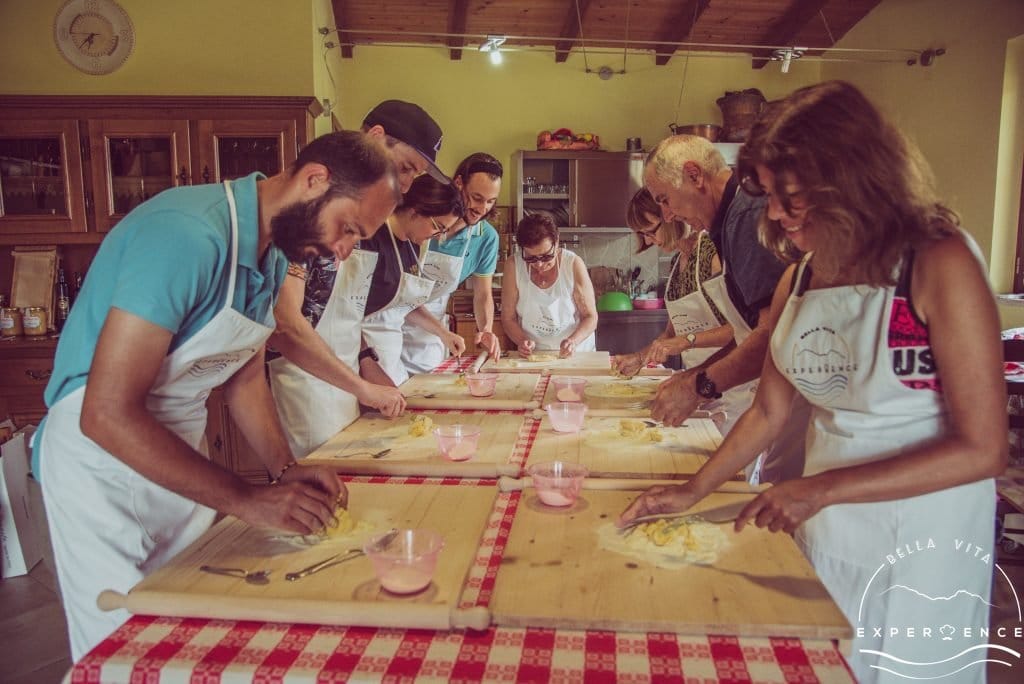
25, 374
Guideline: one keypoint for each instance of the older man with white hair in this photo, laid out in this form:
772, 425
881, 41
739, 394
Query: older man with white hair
691, 182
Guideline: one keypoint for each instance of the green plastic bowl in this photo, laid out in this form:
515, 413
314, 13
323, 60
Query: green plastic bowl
614, 301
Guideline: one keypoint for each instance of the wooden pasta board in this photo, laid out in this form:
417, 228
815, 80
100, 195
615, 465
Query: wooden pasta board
555, 574
579, 363
595, 382
598, 446
411, 455
348, 593
444, 387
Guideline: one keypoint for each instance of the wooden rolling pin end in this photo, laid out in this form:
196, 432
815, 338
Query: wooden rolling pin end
509, 470
538, 414
512, 484
477, 618
111, 600
532, 405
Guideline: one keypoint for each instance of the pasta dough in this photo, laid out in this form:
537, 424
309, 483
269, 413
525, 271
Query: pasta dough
667, 543
420, 425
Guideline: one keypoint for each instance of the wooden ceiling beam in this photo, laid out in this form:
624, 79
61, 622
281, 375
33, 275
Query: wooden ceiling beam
457, 27
570, 29
344, 40
678, 29
782, 32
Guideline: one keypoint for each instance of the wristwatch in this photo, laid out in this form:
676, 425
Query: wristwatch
369, 353
706, 387
691, 339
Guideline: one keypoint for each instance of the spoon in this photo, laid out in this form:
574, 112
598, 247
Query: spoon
371, 454
255, 577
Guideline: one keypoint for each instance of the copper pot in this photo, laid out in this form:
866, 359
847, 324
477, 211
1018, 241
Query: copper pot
709, 131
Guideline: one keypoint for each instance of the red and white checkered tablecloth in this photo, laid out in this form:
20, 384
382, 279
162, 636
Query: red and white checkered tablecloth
150, 649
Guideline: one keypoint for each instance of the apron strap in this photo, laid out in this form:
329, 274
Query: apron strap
229, 193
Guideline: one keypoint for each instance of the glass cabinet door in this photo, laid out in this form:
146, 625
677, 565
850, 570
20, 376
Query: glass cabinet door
132, 161
232, 149
41, 177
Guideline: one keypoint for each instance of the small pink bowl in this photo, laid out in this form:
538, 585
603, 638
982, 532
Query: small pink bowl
658, 303
566, 416
557, 483
481, 384
457, 442
568, 389
404, 562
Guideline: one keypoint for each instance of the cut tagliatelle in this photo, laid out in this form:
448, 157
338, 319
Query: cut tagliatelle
622, 390
668, 543
638, 430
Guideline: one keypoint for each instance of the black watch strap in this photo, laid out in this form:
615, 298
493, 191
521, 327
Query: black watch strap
369, 353
706, 387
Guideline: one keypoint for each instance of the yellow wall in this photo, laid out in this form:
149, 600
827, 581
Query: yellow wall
499, 109
184, 47
954, 110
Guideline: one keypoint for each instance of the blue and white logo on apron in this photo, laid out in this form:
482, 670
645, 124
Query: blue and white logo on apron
821, 364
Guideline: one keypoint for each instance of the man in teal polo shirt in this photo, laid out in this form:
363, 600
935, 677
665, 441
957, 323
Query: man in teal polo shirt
179, 300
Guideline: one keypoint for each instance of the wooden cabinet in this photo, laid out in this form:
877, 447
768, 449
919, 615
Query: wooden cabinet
581, 191
72, 167
465, 325
25, 366
225, 443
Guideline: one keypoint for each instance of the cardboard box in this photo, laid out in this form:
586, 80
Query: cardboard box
20, 547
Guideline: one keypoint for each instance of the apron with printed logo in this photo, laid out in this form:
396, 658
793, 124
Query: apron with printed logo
312, 411
118, 525
549, 315
833, 346
383, 328
691, 312
422, 351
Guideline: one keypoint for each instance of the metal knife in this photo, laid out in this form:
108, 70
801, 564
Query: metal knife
718, 514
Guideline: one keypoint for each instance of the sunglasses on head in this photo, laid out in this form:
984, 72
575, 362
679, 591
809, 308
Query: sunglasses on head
541, 258
751, 184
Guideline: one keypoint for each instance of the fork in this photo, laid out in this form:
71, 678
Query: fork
372, 454
336, 559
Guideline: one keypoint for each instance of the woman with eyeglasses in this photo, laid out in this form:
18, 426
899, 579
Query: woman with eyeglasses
885, 323
468, 250
696, 329
547, 298
400, 288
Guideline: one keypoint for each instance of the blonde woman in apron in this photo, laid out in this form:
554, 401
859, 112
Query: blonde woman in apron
547, 298
428, 209
889, 330
135, 524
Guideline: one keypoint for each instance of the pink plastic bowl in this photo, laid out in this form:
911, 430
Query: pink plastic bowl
568, 389
557, 483
566, 416
457, 442
658, 303
481, 384
404, 562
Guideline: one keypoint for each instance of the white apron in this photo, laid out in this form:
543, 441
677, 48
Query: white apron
109, 525
312, 411
383, 328
784, 460
422, 351
833, 345
691, 313
549, 315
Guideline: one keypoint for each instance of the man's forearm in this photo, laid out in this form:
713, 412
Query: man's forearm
306, 349
743, 363
483, 309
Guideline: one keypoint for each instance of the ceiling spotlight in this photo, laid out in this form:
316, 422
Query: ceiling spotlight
786, 56
493, 46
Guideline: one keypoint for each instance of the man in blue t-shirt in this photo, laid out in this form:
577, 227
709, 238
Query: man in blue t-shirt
178, 301
469, 249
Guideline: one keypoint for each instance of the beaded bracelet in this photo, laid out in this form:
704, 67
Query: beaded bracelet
284, 470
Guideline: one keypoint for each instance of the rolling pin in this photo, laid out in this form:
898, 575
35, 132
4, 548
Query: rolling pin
481, 359
623, 413
421, 468
510, 484
367, 614
477, 403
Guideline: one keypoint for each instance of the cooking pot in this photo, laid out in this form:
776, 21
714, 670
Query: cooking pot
614, 301
709, 131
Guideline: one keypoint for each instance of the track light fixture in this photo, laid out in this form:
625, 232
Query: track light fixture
786, 56
492, 46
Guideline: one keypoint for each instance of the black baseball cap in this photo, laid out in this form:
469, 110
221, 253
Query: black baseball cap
410, 124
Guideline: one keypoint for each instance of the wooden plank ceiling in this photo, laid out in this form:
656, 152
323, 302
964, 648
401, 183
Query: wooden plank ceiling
658, 26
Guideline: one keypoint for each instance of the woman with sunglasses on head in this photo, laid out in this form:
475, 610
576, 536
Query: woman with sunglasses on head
468, 250
696, 329
885, 323
547, 299
400, 288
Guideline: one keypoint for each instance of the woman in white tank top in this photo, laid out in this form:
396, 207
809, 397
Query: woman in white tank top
547, 299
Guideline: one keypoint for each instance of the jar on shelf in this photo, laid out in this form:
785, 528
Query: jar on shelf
35, 321
10, 322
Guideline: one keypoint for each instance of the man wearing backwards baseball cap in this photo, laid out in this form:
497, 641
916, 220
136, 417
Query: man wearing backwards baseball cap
317, 385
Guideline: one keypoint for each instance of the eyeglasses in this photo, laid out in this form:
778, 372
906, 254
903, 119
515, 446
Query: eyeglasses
541, 258
751, 184
438, 228
650, 234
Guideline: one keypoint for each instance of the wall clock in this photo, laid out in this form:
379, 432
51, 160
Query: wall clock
95, 36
